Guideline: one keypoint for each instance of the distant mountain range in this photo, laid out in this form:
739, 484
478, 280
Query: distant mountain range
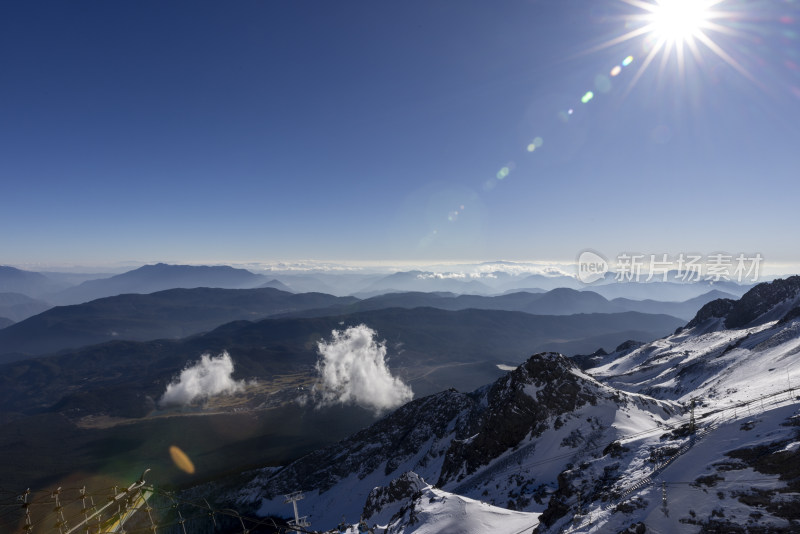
666, 291
426, 282
159, 277
177, 313
170, 314
28, 283
74, 288
561, 301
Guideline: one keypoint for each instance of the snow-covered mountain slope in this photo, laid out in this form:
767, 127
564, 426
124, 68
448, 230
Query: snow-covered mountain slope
487, 445
717, 367
409, 505
696, 432
742, 382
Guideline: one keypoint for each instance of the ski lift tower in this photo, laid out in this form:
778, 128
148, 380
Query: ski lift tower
298, 522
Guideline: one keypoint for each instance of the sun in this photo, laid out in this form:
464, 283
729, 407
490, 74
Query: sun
682, 29
677, 21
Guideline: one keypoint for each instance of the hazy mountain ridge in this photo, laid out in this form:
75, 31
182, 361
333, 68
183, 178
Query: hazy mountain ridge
19, 307
32, 284
560, 301
169, 314
160, 277
427, 282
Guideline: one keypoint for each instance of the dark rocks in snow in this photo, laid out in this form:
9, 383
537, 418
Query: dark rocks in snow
390, 441
463, 431
408, 487
761, 299
515, 410
719, 308
628, 346
588, 361
754, 306
791, 315
635, 528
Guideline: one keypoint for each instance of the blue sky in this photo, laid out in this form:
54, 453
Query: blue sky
355, 130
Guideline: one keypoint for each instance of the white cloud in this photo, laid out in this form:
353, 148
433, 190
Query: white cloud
207, 378
441, 276
352, 370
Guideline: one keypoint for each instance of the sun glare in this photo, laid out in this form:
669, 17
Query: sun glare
676, 21
678, 29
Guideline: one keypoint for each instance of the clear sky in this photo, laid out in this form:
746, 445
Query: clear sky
189, 131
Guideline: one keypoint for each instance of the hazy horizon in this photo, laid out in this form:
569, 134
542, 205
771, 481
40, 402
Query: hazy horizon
468, 269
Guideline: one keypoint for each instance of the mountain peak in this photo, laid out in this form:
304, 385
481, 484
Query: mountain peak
763, 303
525, 403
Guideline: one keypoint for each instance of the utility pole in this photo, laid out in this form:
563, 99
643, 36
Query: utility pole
664, 498
299, 522
692, 423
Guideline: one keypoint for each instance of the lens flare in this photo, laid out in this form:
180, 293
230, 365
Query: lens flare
181, 460
602, 83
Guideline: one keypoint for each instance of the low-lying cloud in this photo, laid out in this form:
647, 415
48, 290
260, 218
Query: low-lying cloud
352, 370
207, 378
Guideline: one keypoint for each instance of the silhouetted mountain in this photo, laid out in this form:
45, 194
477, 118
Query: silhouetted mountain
565, 301
442, 300
73, 279
549, 282
665, 291
428, 282
171, 314
152, 278
18, 307
306, 283
4, 322
560, 301
13, 280
277, 284
685, 310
